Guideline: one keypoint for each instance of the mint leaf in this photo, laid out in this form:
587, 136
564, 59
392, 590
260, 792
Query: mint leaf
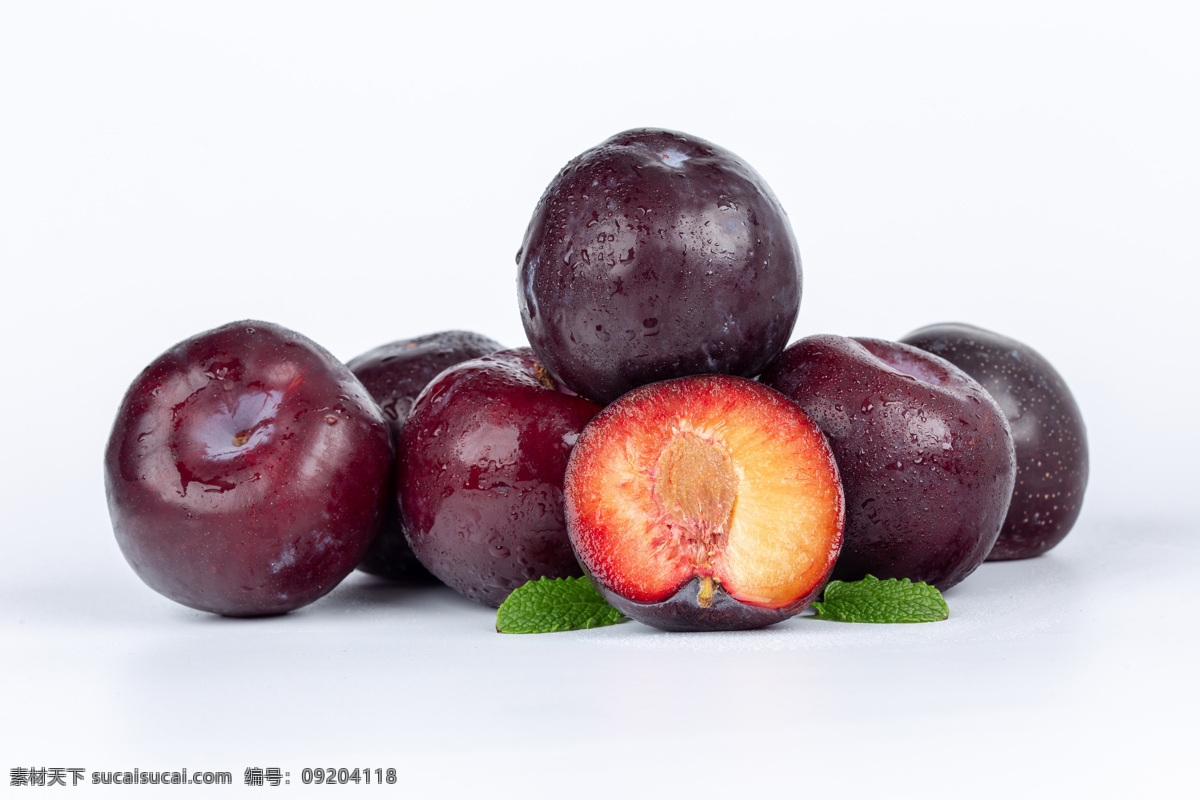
559, 604
873, 600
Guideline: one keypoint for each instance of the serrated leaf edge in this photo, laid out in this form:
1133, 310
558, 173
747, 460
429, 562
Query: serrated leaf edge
594, 620
833, 615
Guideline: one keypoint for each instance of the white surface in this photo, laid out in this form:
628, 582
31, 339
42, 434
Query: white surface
1072, 675
364, 172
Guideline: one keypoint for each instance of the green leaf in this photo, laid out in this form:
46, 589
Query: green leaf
559, 604
873, 600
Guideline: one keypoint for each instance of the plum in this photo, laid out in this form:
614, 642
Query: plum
1047, 428
707, 502
394, 374
247, 471
480, 474
656, 255
925, 455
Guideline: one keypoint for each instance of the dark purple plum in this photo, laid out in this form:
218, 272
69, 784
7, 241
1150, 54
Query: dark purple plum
924, 452
395, 374
480, 474
247, 471
1047, 428
657, 255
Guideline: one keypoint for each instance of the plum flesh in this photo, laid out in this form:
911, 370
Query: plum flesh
657, 255
394, 374
247, 471
1048, 432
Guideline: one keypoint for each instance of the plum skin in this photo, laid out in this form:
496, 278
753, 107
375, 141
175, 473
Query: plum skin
247, 471
394, 374
1047, 427
480, 472
680, 613
925, 455
652, 256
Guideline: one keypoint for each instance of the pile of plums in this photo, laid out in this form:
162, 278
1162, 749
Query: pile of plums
658, 434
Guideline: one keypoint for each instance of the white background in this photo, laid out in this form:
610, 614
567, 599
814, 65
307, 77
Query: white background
363, 172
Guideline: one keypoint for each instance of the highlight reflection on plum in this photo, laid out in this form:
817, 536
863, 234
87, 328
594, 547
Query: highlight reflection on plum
480, 474
247, 471
657, 255
394, 374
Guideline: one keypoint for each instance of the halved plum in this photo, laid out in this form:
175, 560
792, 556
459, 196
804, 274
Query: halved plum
708, 502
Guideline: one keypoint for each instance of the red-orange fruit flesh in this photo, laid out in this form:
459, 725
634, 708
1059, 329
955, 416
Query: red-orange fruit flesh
707, 502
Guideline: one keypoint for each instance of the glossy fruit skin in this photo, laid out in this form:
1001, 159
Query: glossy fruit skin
927, 464
681, 614
652, 256
247, 471
1047, 427
480, 475
394, 374
635, 428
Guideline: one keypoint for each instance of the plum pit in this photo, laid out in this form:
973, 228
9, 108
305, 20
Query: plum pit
696, 485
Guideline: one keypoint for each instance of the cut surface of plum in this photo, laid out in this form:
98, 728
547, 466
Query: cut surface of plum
696, 490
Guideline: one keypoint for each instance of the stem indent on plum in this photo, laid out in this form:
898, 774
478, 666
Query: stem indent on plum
543, 376
696, 486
